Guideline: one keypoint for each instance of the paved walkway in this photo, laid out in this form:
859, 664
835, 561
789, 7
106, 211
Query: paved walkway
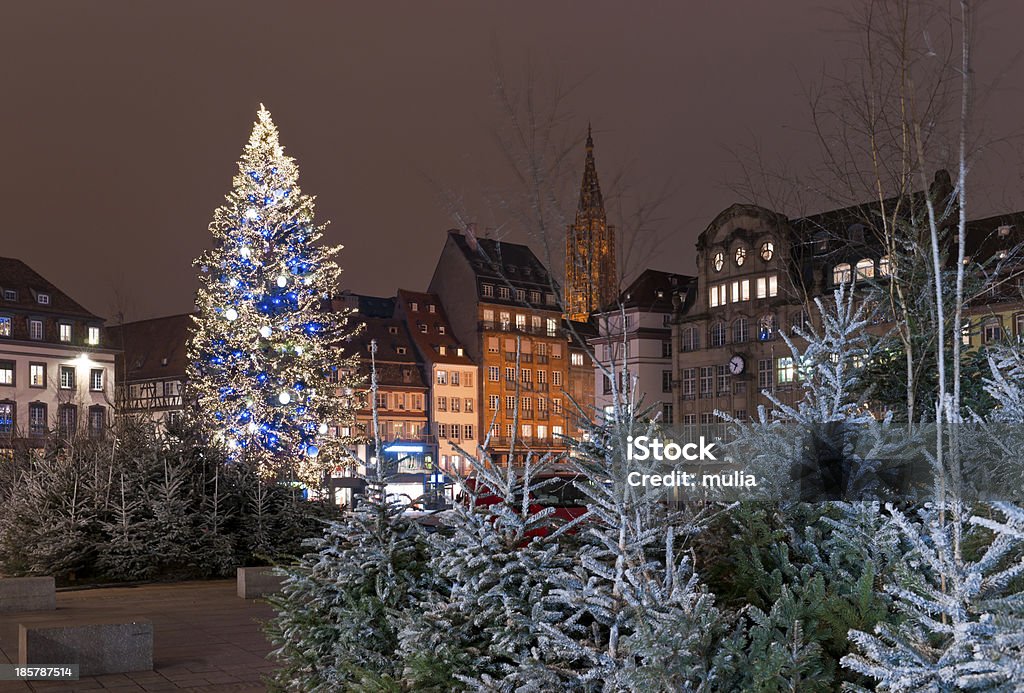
205, 638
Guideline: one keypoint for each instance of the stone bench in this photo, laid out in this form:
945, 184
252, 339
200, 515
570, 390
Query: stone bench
97, 647
27, 594
258, 582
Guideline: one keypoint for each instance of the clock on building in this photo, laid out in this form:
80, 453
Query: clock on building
737, 364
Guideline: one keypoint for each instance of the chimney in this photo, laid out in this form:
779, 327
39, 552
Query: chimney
470, 234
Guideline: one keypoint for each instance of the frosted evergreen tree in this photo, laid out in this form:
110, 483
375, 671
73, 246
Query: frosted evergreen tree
264, 343
1006, 384
638, 617
962, 626
343, 604
829, 439
482, 627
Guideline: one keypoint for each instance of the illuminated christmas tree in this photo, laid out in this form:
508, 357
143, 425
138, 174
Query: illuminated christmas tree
267, 364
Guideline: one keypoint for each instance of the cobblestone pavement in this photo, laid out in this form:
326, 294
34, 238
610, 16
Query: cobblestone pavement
205, 638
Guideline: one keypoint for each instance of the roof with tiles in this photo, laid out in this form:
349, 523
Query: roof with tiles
27, 285
438, 332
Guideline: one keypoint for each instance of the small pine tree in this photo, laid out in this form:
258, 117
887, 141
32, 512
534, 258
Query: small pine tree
481, 626
962, 626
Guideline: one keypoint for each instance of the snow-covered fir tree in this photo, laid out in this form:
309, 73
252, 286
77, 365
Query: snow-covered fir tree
264, 342
962, 625
638, 618
481, 627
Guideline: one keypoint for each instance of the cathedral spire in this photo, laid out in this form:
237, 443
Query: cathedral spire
591, 201
591, 281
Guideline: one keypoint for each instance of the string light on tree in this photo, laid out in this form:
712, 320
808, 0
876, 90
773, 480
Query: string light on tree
264, 340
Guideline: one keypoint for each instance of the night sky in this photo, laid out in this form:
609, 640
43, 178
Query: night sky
122, 121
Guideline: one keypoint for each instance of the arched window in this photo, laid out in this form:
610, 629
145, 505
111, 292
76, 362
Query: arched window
740, 330
689, 339
718, 262
883, 266
766, 327
740, 256
865, 268
718, 334
842, 274
767, 251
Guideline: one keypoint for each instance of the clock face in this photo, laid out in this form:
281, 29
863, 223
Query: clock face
736, 364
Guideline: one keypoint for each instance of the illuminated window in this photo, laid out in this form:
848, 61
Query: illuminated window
785, 370
766, 327
492, 402
6, 372
1018, 322
883, 266
842, 273
556, 378
718, 262
7, 411
37, 375
487, 290
552, 327
5, 326
865, 268
740, 256
43, 299
520, 322
767, 251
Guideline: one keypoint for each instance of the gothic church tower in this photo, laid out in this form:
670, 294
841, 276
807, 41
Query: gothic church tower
591, 282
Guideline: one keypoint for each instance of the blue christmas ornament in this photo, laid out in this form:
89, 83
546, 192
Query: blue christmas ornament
312, 451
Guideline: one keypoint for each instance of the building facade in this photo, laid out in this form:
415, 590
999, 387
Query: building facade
502, 304
758, 273
453, 401
151, 366
56, 371
633, 344
591, 279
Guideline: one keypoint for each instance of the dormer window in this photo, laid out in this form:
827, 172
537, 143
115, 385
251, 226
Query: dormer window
503, 292
400, 351
392, 330
64, 332
520, 295
442, 350
414, 307
431, 308
423, 327
10, 295
440, 329
93, 336
458, 351
43, 299
487, 290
